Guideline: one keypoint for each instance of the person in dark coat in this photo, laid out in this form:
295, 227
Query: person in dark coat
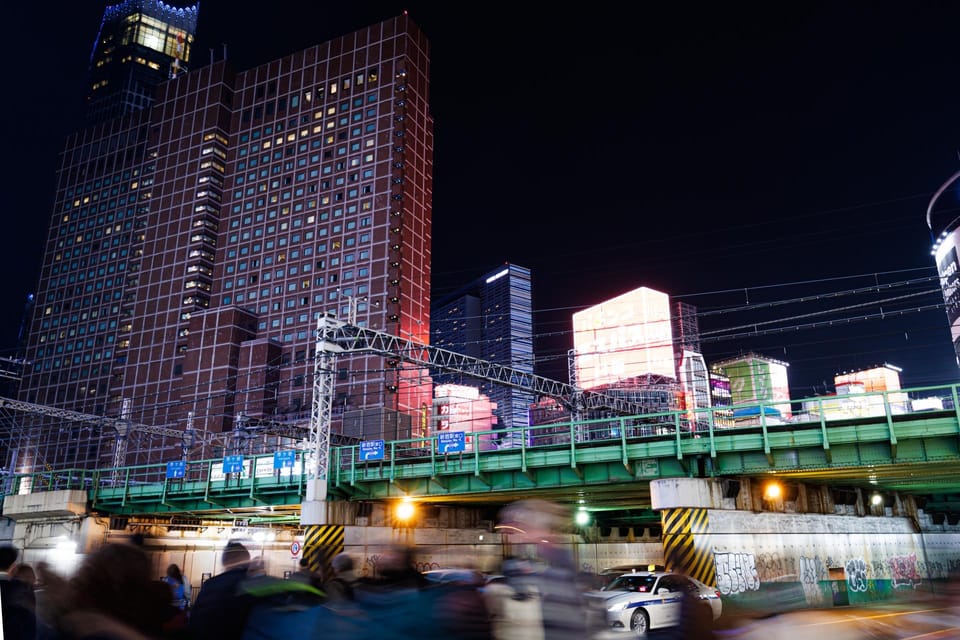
113, 594
339, 588
221, 608
19, 603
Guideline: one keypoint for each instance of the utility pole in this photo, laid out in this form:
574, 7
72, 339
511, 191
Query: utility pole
313, 511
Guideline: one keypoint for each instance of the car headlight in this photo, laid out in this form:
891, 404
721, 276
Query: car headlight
620, 606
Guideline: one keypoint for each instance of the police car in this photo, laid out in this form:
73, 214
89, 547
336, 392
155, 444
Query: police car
642, 600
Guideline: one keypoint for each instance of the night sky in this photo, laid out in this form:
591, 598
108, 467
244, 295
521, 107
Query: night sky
738, 156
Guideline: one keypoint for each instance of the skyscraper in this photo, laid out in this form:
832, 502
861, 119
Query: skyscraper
194, 243
491, 319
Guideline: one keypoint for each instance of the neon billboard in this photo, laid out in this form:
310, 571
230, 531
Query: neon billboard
624, 337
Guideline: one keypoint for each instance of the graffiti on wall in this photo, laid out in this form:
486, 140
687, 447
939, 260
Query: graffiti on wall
856, 570
736, 572
903, 571
812, 571
771, 566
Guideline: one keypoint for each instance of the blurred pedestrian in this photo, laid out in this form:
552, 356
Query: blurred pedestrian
696, 617
52, 594
514, 614
339, 588
17, 602
114, 595
181, 591
391, 597
26, 574
406, 605
543, 572
222, 607
180, 598
307, 575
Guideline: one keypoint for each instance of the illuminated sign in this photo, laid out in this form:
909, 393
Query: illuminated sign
948, 267
624, 337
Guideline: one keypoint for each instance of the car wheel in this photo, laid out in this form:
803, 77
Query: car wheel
640, 623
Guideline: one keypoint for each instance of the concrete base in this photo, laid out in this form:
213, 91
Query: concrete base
46, 504
314, 512
675, 493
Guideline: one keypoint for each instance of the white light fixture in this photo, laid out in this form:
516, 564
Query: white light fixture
582, 517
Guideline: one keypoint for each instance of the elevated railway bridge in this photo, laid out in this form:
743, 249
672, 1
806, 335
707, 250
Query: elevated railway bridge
606, 465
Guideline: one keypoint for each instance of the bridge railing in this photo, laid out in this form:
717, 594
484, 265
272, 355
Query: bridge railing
677, 425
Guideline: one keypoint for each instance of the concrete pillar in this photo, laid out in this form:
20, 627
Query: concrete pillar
321, 543
684, 505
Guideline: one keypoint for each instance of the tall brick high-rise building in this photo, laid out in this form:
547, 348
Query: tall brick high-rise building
196, 237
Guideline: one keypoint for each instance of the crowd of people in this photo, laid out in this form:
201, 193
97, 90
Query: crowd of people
114, 595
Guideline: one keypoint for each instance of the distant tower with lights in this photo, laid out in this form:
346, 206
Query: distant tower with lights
141, 44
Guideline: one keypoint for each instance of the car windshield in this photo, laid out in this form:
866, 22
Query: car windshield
632, 583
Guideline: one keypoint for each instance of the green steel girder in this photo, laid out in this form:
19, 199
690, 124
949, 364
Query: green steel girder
612, 477
916, 453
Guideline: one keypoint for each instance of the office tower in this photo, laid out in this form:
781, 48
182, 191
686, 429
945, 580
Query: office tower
193, 246
491, 319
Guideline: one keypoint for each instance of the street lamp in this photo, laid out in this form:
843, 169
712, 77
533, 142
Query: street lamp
405, 510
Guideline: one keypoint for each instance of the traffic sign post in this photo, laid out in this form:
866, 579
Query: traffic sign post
371, 450
451, 442
232, 464
176, 469
284, 459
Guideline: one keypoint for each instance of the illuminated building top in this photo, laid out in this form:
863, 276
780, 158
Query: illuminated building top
624, 337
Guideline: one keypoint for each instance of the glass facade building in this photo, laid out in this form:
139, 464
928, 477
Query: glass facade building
491, 319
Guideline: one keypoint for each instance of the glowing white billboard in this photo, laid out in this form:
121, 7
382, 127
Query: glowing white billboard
948, 266
624, 337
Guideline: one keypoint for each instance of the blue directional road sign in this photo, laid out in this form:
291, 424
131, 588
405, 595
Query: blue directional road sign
284, 459
371, 450
233, 464
451, 442
177, 469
